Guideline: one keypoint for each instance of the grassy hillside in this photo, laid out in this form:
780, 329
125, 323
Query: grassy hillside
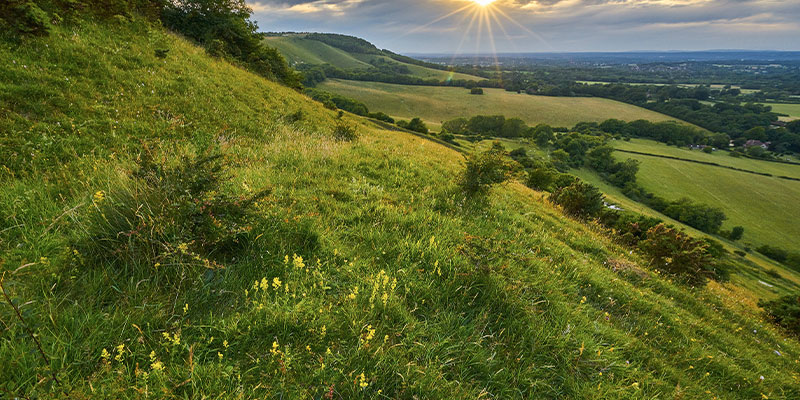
359, 271
764, 206
437, 104
300, 50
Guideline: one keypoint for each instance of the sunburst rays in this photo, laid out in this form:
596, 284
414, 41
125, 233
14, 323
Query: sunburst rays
482, 17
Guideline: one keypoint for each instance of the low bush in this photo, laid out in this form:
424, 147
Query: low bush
345, 132
167, 219
484, 170
784, 311
678, 254
24, 17
579, 199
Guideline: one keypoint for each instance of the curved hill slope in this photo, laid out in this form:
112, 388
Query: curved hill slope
359, 272
299, 49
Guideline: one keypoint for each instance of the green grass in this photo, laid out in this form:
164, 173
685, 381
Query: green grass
299, 50
791, 110
717, 157
437, 104
456, 299
764, 206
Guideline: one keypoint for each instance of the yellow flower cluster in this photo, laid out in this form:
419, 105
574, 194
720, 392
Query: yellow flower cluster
175, 339
99, 196
367, 336
155, 363
120, 353
381, 284
362, 381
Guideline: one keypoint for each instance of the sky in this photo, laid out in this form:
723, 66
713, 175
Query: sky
418, 26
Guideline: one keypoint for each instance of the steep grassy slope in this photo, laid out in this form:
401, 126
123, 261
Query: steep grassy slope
362, 273
437, 104
300, 50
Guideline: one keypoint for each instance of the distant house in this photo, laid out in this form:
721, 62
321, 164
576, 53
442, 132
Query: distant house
697, 146
778, 124
757, 143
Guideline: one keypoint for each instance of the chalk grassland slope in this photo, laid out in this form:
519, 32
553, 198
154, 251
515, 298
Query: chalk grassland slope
403, 289
437, 104
300, 50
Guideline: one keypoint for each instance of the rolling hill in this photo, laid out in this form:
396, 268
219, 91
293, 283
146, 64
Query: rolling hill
435, 104
304, 50
177, 227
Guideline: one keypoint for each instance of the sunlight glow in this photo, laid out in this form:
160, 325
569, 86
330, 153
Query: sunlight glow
482, 17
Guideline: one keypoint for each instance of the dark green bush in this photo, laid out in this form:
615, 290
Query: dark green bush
678, 254
345, 132
25, 17
484, 170
784, 311
579, 199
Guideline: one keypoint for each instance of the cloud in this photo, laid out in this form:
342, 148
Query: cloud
546, 25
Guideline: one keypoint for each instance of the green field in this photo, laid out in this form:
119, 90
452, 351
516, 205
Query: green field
765, 206
307, 264
437, 104
717, 157
683, 85
792, 110
299, 50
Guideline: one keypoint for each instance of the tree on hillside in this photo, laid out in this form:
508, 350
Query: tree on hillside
225, 28
543, 135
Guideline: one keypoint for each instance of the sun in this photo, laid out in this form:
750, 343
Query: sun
483, 3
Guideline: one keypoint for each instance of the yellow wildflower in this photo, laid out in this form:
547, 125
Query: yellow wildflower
297, 261
276, 283
105, 355
362, 381
120, 350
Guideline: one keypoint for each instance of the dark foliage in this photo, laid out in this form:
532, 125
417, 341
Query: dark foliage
677, 253
784, 311
484, 170
579, 199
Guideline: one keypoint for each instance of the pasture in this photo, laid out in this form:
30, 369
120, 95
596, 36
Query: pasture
438, 104
765, 206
